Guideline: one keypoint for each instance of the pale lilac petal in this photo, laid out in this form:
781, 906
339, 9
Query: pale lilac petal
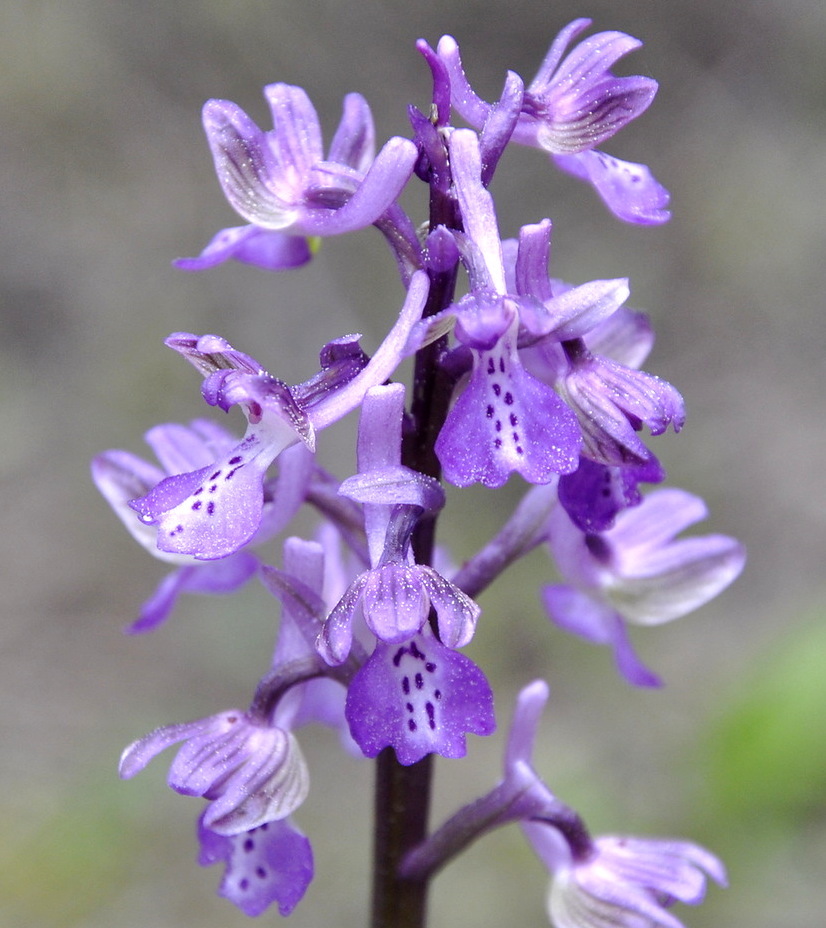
182, 448
395, 602
295, 139
666, 513
138, 754
264, 248
120, 476
529, 706
266, 865
630, 882
627, 337
419, 698
575, 312
248, 168
679, 579
629, 190
354, 143
373, 196
476, 204
596, 621
224, 576
336, 637
613, 402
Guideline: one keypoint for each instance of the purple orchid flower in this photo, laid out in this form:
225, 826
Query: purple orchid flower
214, 510
418, 697
597, 491
414, 692
506, 420
573, 105
280, 182
623, 882
637, 572
121, 477
596, 882
272, 863
251, 770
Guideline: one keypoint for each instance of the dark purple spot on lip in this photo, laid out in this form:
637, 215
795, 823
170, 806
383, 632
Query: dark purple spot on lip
502, 365
213, 488
509, 398
197, 505
497, 442
232, 473
405, 685
419, 679
497, 389
430, 666
249, 845
216, 475
437, 694
236, 460
244, 884
409, 706
411, 724
210, 507
489, 412
514, 419
491, 366
261, 873
199, 490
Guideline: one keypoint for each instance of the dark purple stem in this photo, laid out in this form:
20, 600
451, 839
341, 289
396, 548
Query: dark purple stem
402, 794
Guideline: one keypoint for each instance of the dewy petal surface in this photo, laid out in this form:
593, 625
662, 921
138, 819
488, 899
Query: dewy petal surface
419, 698
506, 421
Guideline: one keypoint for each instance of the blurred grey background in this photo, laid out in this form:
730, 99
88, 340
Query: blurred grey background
106, 177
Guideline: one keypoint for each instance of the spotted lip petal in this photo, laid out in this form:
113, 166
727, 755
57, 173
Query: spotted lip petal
269, 864
419, 698
213, 511
506, 421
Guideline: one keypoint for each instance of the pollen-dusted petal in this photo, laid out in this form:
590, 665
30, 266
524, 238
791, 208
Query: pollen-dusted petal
420, 698
265, 865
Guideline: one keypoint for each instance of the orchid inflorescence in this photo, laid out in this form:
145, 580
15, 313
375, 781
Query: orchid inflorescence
523, 374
